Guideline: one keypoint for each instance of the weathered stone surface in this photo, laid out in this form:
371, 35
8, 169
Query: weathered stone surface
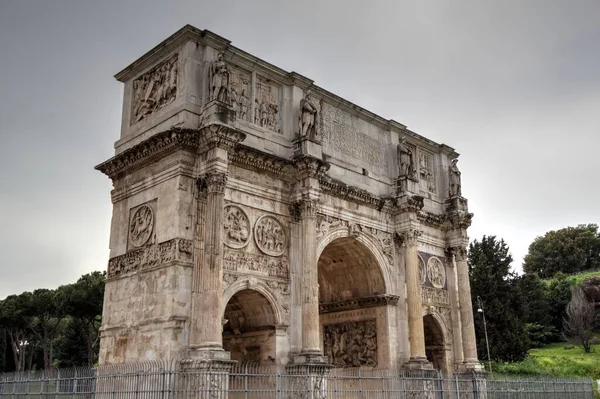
259, 217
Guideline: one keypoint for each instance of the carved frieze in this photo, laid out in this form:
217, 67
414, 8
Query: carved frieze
435, 296
240, 92
358, 303
141, 225
235, 260
236, 227
436, 273
155, 89
351, 344
269, 235
151, 255
342, 133
267, 105
338, 189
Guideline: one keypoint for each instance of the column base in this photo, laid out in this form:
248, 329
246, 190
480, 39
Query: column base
309, 359
207, 354
418, 363
205, 373
471, 366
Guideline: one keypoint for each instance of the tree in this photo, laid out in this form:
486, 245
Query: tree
537, 314
492, 280
567, 250
84, 304
558, 294
579, 320
16, 322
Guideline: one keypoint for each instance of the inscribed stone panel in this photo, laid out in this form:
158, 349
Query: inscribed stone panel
352, 137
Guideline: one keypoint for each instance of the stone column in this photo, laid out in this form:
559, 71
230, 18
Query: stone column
207, 283
310, 285
455, 312
413, 298
466, 310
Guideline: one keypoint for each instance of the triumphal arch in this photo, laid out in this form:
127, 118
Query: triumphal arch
259, 217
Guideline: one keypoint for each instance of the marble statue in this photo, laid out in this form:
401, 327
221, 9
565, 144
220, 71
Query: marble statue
308, 117
455, 187
219, 79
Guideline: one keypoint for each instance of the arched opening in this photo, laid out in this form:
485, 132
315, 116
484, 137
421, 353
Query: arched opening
434, 343
249, 328
351, 301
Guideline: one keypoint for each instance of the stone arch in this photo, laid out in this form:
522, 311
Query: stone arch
371, 243
260, 287
437, 341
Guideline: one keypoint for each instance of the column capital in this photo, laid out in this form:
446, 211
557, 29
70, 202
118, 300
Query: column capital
307, 166
408, 237
211, 182
220, 136
304, 208
458, 253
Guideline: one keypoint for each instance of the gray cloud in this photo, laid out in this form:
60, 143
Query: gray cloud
512, 85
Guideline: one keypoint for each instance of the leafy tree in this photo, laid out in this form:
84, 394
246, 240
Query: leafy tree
86, 298
17, 325
558, 294
579, 320
567, 250
537, 314
71, 346
47, 310
2, 349
492, 280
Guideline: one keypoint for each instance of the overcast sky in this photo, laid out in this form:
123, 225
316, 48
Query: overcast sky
514, 86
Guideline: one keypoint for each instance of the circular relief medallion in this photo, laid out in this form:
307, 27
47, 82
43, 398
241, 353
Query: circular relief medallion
436, 272
269, 235
141, 225
421, 270
236, 227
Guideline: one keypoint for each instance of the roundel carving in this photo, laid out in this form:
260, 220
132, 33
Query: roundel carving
436, 272
141, 226
421, 270
269, 235
236, 227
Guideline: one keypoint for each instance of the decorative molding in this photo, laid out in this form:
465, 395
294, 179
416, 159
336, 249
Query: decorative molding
249, 158
409, 237
307, 166
269, 236
351, 344
235, 260
351, 304
435, 296
215, 182
412, 203
337, 189
217, 135
236, 227
148, 151
177, 249
431, 219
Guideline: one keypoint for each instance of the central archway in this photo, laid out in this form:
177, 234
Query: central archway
353, 304
249, 327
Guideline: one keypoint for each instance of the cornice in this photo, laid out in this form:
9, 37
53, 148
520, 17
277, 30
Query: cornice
252, 159
431, 219
308, 166
337, 189
148, 151
369, 302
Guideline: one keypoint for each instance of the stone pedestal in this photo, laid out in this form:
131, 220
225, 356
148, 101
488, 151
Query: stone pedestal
205, 374
307, 377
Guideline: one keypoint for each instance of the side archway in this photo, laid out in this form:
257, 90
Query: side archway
260, 287
436, 340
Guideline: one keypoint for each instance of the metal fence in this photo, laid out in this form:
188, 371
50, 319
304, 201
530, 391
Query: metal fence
154, 380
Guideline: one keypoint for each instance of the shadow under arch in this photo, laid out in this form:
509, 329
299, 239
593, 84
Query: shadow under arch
260, 287
371, 243
436, 339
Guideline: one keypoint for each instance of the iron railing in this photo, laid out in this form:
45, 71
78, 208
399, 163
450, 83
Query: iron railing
158, 380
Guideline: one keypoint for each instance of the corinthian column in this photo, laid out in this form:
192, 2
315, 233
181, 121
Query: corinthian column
207, 287
310, 286
466, 309
413, 297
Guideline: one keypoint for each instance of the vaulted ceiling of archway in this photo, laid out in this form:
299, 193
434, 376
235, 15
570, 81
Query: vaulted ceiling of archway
348, 270
248, 310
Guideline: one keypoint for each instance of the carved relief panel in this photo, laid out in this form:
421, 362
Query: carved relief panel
351, 344
269, 236
141, 225
241, 93
436, 273
421, 270
267, 104
236, 227
155, 89
426, 172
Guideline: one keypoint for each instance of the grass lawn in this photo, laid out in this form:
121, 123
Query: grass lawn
555, 360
